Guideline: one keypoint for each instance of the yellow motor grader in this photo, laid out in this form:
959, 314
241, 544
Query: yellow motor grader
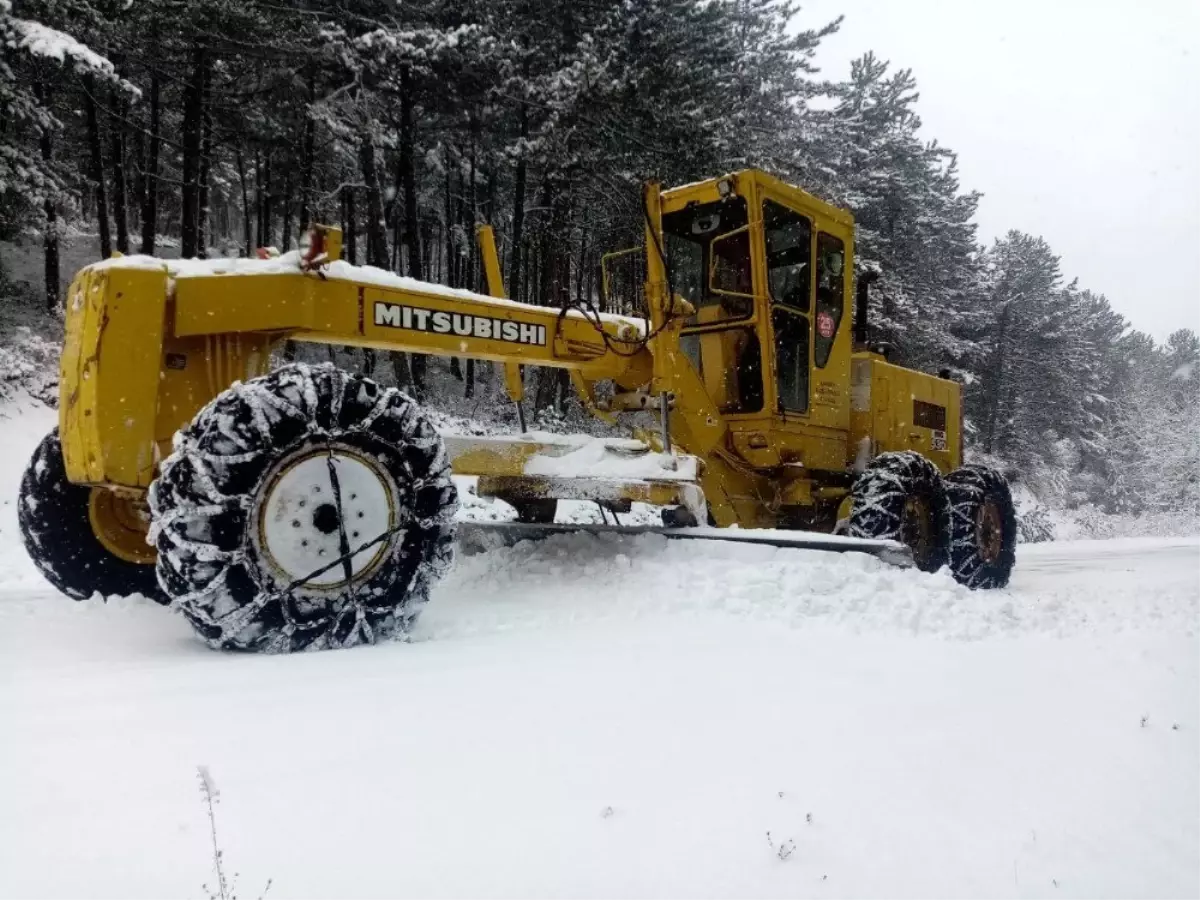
307, 507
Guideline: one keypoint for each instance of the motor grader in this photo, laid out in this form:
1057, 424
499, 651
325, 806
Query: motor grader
308, 507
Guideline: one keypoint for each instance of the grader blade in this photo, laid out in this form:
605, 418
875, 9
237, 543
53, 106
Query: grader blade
478, 537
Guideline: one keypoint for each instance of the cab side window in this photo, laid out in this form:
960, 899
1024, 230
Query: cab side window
789, 255
831, 263
788, 237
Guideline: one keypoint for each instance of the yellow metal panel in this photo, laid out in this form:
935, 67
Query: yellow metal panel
238, 303
894, 393
110, 371
71, 407
196, 369
486, 238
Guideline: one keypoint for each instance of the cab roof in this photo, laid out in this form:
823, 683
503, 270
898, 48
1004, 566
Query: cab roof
744, 182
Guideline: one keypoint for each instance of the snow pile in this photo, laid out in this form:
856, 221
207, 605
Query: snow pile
290, 263
650, 575
28, 369
613, 458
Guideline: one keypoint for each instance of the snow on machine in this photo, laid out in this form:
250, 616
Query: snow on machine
308, 507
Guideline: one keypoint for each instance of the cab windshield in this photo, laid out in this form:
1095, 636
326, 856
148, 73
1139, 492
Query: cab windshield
690, 234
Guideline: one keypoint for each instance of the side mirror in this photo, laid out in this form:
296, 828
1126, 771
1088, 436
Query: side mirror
725, 276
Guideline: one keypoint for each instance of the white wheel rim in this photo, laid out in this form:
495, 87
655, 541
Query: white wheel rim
299, 528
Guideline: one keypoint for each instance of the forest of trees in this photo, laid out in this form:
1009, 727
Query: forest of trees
225, 125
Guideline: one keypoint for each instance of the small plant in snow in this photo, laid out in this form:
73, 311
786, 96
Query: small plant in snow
808, 818
225, 887
606, 813
784, 850
1145, 721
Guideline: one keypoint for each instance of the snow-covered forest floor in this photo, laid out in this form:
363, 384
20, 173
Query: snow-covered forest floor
588, 717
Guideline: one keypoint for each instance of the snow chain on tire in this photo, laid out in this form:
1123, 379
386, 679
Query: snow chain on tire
900, 497
983, 527
303, 510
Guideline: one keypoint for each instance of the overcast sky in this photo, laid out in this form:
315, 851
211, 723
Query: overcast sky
1079, 120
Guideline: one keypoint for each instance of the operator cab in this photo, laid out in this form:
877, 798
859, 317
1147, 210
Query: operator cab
764, 264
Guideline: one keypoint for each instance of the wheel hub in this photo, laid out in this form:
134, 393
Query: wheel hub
326, 519
989, 535
303, 518
120, 524
916, 528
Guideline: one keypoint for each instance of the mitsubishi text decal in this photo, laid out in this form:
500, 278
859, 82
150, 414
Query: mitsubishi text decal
415, 318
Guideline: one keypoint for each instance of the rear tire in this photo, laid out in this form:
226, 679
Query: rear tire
900, 497
983, 527
57, 530
306, 509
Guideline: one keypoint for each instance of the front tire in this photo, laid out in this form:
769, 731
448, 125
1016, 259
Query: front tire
983, 527
306, 509
900, 496
84, 540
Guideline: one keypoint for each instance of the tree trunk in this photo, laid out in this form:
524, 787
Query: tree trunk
150, 198
409, 369
287, 211
306, 163
96, 165
448, 233
50, 232
451, 280
192, 134
138, 187
518, 226
377, 254
120, 212
583, 248
202, 212
994, 396
408, 180
267, 204
548, 286
241, 167
470, 282
259, 203
345, 230
351, 231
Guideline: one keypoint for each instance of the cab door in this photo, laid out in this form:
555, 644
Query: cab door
807, 260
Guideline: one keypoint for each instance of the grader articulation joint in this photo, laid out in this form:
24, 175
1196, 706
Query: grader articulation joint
308, 507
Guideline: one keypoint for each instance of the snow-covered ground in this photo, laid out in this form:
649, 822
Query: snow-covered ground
623, 716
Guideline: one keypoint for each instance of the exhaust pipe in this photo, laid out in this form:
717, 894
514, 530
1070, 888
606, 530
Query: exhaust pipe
862, 333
